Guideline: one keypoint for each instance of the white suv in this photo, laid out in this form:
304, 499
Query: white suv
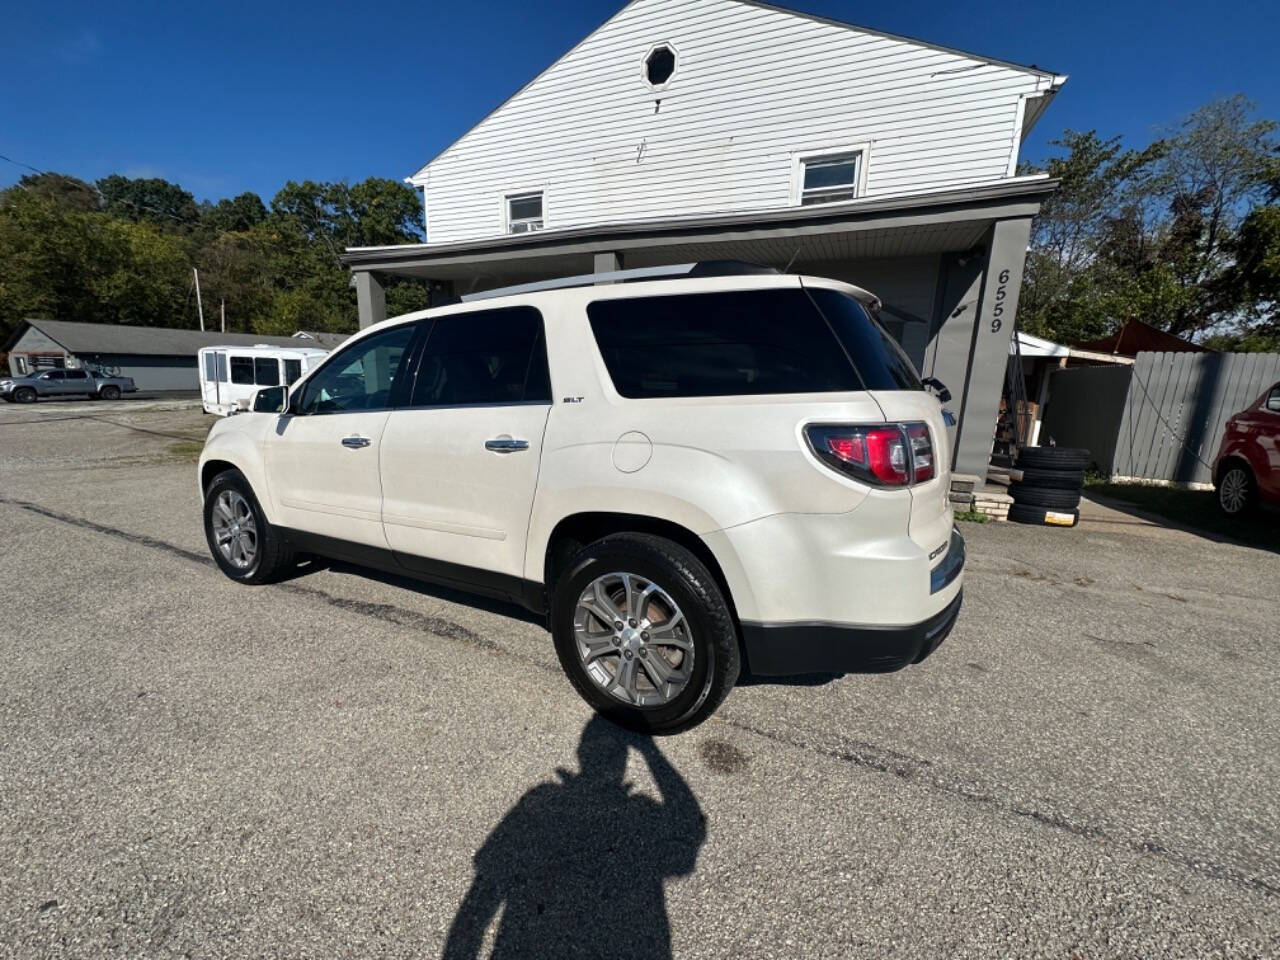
687, 476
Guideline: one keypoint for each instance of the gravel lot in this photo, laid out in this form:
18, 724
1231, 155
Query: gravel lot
1087, 768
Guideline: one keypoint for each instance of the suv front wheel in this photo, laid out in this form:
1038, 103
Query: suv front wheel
244, 545
644, 633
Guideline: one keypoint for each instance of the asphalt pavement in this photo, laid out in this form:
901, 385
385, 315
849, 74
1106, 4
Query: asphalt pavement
348, 765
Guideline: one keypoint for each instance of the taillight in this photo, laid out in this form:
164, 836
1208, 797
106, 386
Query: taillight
921, 451
884, 455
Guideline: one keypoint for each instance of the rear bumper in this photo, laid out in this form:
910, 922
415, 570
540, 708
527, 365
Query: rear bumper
791, 649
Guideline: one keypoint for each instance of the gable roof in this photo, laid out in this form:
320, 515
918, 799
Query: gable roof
119, 338
845, 24
1057, 79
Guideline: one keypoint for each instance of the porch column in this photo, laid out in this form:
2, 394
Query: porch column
609, 262
989, 346
371, 298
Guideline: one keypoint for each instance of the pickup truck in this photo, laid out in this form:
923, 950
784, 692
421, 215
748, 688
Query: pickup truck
64, 383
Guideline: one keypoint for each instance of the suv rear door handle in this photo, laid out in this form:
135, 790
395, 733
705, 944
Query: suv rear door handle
506, 445
355, 443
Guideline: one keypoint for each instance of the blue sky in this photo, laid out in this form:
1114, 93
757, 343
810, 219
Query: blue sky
237, 96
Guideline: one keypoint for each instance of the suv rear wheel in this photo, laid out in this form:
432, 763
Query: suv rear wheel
244, 545
644, 633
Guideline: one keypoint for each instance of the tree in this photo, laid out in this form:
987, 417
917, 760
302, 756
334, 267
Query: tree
122, 252
149, 200
236, 214
1065, 288
75, 265
1153, 234
68, 193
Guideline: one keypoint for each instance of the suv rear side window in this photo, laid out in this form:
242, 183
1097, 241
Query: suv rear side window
489, 356
880, 361
737, 344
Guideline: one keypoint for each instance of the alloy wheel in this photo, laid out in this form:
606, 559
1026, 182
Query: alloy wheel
633, 640
1233, 491
234, 529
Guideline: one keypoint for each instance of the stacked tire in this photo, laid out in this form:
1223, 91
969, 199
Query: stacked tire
1049, 492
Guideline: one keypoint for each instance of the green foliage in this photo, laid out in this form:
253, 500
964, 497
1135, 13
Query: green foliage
121, 251
1175, 235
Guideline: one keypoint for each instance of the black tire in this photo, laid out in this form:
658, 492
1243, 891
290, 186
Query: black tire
273, 558
24, 395
1025, 513
1054, 458
1044, 496
1233, 500
109, 393
685, 578
1053, 479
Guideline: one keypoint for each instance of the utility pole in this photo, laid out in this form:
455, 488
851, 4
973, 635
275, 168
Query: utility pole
224, 316
199, 305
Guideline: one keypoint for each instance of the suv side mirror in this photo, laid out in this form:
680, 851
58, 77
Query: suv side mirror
270, 400
1273, 401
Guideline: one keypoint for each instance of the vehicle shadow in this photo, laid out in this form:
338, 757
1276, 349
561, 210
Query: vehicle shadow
576, 867
1193, 512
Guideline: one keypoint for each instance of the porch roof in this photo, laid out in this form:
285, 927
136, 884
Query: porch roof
876, 227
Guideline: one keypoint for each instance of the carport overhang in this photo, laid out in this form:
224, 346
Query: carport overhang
977, 234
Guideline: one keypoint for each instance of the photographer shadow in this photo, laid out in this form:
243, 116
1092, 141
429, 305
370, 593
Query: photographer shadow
576, 867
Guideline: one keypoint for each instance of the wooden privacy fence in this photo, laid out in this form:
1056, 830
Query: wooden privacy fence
1177, 406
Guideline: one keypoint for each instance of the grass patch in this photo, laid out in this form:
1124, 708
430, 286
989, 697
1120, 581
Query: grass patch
186, 451
1194, 508
972, 516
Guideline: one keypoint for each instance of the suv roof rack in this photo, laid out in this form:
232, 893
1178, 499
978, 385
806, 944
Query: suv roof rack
678, 271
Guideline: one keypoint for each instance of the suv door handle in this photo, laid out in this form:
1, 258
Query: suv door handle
506, 445
355, 443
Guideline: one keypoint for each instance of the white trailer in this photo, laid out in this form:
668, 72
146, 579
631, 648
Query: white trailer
230, 376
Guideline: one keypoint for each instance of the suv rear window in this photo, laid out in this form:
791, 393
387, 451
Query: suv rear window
745, 343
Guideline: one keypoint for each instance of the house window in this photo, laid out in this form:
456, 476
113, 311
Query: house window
659, 65
830, 177
524, 213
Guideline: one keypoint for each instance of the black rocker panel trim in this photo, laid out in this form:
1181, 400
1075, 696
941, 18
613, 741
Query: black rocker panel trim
527, 593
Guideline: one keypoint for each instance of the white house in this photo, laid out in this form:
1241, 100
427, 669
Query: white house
685, 130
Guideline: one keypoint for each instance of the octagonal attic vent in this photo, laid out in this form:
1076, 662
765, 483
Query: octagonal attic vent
659, 65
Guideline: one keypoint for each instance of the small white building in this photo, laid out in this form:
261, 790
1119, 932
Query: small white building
685, 130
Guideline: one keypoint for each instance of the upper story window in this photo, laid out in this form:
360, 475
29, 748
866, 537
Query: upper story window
830, 177
659, 65
524, 212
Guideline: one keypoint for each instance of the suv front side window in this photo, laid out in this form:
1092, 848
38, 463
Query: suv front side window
362, 376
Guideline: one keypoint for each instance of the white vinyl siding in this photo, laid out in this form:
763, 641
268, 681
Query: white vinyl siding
754, 88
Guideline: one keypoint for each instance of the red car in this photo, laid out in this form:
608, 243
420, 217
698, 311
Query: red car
1248, 466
